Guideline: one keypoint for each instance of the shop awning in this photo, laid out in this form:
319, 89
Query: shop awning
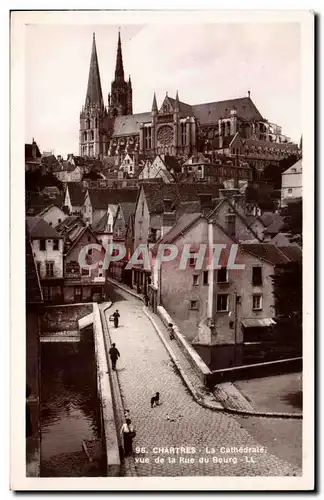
257, 322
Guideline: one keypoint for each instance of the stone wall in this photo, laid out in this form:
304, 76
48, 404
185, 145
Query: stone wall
64, 317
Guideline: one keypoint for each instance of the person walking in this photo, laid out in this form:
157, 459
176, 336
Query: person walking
171, 331
114, 355
116, 317
146, 300
128, 433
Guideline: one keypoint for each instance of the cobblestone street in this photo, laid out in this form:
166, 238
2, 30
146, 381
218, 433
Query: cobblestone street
145, 368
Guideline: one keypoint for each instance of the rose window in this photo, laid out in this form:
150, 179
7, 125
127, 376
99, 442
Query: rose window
165, 135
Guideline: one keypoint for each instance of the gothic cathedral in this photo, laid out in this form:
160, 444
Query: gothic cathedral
176, 128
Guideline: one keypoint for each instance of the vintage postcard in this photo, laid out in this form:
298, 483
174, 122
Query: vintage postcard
162, 174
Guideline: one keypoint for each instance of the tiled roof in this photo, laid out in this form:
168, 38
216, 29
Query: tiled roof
188, 207
101, 224
39, 201
209, 113
130, 124
74, 238
40, 214
293, 252
155, 193
77, 193
251, 219
273, 222
78, 160
70, 222
185, 109
181, 225
296, 168
29, 151
101, 198
33, 289
171, 163
50, 161
128, 209
265, 251
38, 229
109, 162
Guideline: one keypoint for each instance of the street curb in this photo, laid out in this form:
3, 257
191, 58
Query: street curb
182, 374
117, 387
234, 411
207, 405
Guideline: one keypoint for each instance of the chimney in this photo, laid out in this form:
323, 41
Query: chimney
206, 202
168, 217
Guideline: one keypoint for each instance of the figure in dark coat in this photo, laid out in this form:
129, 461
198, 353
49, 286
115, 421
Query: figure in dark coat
114, 355
116, 317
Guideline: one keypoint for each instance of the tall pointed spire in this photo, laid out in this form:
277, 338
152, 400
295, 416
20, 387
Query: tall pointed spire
94, 92
177, 103
119, 71
154, 104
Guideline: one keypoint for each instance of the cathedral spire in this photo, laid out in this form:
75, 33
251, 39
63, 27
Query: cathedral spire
154, 105
119, 71
94, 92
177, 103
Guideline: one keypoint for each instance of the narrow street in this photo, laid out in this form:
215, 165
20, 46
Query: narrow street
145, 368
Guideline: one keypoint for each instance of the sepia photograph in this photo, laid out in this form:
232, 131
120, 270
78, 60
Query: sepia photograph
161, 176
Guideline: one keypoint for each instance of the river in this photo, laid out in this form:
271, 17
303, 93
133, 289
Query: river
70, 411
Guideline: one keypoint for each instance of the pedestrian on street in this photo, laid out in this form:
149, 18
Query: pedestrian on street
171, 331
146, 300
116, 317
128, 433
114, 355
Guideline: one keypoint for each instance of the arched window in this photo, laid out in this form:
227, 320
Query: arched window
87, 123
91, 135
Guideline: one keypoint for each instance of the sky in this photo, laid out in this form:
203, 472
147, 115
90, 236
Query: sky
204, 62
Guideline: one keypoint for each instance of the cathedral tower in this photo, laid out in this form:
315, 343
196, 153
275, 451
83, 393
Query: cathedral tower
93, 114
120, 101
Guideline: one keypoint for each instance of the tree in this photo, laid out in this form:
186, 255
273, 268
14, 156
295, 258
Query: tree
293, 221
287, 291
